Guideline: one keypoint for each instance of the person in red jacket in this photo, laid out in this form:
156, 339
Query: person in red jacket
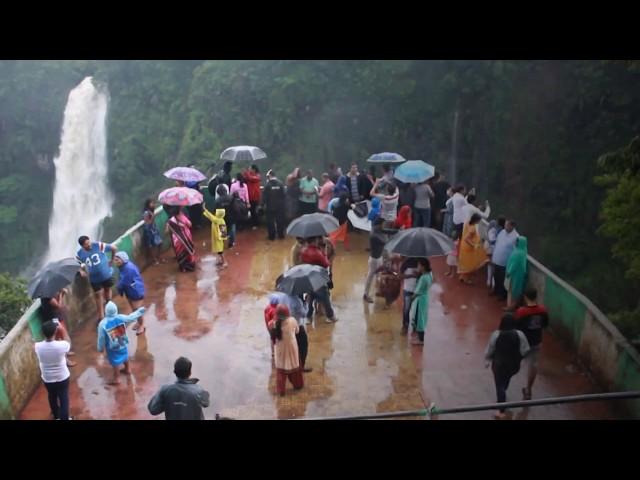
252, 177
313, 254
269, 316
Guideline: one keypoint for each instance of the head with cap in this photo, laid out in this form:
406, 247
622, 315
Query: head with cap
120, 259
111, 309
274, 299
282, 313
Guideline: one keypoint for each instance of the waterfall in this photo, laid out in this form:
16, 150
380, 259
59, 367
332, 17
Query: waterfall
81, 196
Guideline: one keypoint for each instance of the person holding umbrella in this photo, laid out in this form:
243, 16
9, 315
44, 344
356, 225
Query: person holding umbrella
180, 228
93, 255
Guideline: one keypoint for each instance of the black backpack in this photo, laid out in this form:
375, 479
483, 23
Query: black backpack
240, 210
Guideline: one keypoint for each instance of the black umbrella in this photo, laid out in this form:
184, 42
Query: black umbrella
313, 225
420, 242
303, 278
53, 277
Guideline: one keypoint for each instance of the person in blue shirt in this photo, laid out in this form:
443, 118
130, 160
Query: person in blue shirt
131, 286
93, 256
112, 338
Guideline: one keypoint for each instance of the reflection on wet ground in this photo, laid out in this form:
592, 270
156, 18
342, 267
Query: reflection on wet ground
361, 365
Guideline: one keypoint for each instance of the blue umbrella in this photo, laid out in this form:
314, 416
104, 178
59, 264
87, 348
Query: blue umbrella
414, 171
386, 157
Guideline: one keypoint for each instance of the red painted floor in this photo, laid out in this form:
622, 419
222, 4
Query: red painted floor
362, 364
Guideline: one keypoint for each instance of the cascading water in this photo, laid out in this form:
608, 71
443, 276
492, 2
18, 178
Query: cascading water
81, 197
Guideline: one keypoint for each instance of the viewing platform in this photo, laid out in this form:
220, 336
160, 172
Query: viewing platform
361, 365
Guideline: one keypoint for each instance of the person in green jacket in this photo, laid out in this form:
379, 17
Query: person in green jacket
419, 313
517, 273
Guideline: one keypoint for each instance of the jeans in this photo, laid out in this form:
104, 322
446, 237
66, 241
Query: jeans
502, 380
303, 345
254, 214
498, 281
374, 264
406, 307
321, 296
275, 223
231, 232
422, 217
59, 399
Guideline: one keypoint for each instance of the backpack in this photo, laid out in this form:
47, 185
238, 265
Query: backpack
240, 210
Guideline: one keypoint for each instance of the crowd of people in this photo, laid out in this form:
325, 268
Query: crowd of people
387, 203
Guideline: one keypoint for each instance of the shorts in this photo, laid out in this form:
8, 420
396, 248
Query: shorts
531, 359
108, 283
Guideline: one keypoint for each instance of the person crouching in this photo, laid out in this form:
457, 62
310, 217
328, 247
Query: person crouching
112, 338
287, 360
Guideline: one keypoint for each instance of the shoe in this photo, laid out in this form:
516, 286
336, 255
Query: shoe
307, 370
367, 299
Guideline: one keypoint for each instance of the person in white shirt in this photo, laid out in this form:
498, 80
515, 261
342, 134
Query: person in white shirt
469, 209
459, 201
55, 374
505, 243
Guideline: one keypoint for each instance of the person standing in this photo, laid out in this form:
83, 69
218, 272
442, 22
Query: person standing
222, 177
409, 275
469, 209
293, 193
93, 255
471, 256
440, 188
225, 202
517, 273
313, 255
253, 180
195, 211
388, 201
240, 188
377, 241
151, 235
53, 309
334, 172
181, 239
340, 211
342, 186
419, 313
309, 189
182, 400
296, 250
218, 234
532, 318
297, 310
422, 205
447, 216
504, 352
55, 375
112, 338
505, 243
495, 227
273, 199
131, 285
403, 220
287, 358
458, 202
326, 193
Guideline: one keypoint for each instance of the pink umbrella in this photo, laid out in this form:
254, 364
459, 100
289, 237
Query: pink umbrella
186, 174
180, 196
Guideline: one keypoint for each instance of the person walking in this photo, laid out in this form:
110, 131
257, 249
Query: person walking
422, 205
287, 358
55, 375
326, 193
419, 313
182, 400
131, 286
253, 180
312, 254
309, 189
113, 340
505, 243
517, 274
471, 255
274, 201
504, 352
93, 255
296, 250
532, 318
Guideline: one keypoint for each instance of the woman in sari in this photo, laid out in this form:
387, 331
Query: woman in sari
472, 255
287, 360
517, 273
419, 313
180, 228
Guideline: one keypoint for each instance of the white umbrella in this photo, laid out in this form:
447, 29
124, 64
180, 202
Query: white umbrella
243, 152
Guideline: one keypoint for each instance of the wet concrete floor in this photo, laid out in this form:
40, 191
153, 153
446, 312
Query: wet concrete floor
362, 364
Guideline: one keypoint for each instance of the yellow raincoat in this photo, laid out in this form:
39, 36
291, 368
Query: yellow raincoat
218, 229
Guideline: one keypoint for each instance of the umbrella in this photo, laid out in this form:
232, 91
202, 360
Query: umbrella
386, 157
243, 152
180, 197
186, 174
414, 171
420, 242
53, 277
303, 278
313, 225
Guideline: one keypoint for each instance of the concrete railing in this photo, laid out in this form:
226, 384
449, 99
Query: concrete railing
19, 369
599, 346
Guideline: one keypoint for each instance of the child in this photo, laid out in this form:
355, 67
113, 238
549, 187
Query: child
269, 316
452, 256
218, 233
112, 337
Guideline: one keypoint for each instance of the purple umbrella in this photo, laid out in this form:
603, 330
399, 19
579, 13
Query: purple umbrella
186, 174
180, 196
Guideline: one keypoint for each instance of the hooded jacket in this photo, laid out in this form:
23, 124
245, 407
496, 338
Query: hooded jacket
253, 184
218, 229
517, 268
182, 400
112, 333
130, 282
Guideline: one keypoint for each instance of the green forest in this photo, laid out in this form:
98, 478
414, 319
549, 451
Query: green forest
549, 143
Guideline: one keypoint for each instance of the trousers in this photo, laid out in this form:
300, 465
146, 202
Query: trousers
58, 393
